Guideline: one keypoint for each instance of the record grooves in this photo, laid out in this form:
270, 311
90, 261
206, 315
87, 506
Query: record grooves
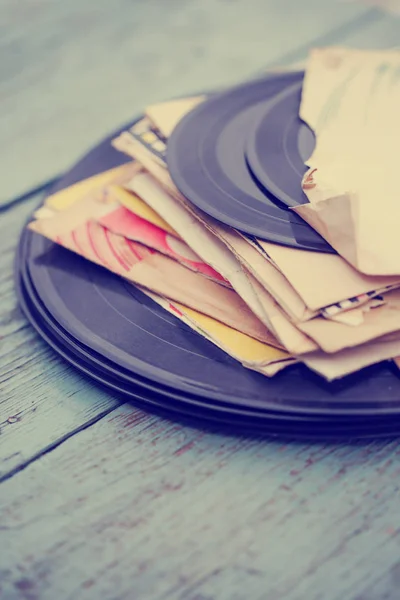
278, 145
205, 156
113, 333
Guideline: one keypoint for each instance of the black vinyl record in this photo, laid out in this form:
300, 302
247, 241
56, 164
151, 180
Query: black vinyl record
117, 335
146, 394
108, 315
191, 410
278, 145
206, 159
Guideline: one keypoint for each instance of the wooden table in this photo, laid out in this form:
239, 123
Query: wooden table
99, 500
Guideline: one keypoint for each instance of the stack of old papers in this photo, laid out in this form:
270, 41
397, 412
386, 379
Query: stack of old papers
268, 305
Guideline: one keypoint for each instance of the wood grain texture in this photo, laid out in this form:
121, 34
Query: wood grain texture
28, 368
42, 400
136, 507
113, 503
46, 420
71, 71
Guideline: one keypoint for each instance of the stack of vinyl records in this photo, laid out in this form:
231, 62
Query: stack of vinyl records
231, 258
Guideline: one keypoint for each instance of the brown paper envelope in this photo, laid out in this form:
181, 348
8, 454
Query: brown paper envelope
163, 176
355, 316
274, 368
166, 115
294, 340
332, 336
315, 328
127, 144
350, 99
152, 270
334, 366
66, 197
267, 274
203, 298
102, 205
192, 229
248, 351
322, 279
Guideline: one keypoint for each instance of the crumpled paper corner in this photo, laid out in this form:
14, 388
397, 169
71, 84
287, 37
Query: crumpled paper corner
350, 100
334, 217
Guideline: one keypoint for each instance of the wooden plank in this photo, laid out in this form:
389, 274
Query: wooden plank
390, 6
136, 507
60, 400
70, 72
382, 33
42, 400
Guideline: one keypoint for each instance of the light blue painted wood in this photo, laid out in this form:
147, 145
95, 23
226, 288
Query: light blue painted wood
71, 71
382, 33
47, 420
48, 417
134, 506
42, 400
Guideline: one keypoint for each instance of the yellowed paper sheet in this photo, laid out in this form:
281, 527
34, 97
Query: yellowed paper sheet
248, 351
333, 336
344, 281
197, 236
328, 335
166, 115
138, 207
66, 197
351, 100
294, 340
150, 269
322, 279
351, 360
266, 272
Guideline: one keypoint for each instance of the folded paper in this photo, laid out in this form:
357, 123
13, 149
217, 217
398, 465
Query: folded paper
351, 100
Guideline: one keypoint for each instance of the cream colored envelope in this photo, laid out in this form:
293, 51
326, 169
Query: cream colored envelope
351, 100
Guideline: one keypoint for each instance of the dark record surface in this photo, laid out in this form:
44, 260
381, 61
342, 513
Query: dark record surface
278, 144
192, 410
125, 340
110, 316
206, 159
144, 392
